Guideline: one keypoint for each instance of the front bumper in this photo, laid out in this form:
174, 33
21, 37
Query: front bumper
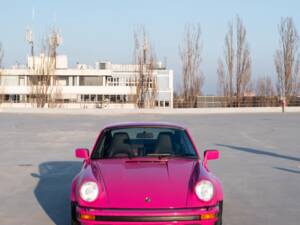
189, 216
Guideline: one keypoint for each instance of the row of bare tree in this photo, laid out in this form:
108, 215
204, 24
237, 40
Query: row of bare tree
234, 68
235, 75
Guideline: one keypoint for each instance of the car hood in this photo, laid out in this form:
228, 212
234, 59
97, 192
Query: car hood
145, 183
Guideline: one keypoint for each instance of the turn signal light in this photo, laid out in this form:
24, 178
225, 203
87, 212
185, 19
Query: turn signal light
208, 216
87, 217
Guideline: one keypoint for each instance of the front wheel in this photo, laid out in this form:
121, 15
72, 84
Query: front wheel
73, 214
220, 214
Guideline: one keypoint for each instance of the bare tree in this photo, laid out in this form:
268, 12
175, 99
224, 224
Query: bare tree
145, 60
287, 59
1, 80
243, 61
190, 54
265, 92
236, 75
222, 86
222, 83
264, 87
43, 82
229, 59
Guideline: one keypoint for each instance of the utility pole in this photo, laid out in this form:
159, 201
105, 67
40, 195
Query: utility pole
145, 49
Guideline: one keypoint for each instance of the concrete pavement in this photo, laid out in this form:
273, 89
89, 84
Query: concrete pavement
259, 164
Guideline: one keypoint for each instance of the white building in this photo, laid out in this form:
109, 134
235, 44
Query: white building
105, 85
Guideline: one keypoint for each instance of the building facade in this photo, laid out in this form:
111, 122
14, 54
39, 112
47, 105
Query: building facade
104, 85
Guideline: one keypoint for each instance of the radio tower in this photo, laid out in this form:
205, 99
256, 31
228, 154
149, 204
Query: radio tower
29, 39
55, 40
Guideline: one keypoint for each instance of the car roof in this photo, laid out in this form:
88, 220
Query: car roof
145, 124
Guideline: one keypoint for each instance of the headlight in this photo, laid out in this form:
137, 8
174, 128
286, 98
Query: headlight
89, 191
204, 190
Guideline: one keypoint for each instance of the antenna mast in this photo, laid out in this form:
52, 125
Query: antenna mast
29, 39
54, 41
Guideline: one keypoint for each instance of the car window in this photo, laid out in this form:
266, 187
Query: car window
143, 142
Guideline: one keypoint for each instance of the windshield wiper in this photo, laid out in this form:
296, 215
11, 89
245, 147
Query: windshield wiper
160, 155
167, 155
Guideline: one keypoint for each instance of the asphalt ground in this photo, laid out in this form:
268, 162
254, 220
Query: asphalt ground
259, 165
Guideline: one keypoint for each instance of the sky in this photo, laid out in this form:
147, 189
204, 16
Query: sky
103, 30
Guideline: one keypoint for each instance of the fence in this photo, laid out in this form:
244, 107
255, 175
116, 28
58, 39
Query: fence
226, 102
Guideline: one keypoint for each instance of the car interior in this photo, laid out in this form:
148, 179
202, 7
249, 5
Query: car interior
144, 143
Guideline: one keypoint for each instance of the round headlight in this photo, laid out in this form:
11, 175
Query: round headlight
204, 190
89, 191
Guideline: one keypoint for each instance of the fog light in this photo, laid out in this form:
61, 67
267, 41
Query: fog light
87, 217
208, 216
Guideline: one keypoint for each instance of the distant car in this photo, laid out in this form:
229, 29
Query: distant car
146, 173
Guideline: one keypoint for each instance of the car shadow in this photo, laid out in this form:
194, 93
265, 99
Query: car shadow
287, 170
260, 152
53, 188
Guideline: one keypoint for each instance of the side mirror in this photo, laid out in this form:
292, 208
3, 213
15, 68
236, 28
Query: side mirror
210, 155
82, 153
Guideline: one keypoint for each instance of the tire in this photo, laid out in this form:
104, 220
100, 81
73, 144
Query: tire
220, 214
73, 214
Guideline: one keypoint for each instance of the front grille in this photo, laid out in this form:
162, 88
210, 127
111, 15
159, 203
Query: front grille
147, 218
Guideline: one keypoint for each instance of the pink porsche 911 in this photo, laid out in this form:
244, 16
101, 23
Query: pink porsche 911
146, 173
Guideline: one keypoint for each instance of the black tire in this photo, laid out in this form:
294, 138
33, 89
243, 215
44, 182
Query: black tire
73, 214
220, 214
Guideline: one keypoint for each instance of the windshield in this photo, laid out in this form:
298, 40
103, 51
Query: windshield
144, 142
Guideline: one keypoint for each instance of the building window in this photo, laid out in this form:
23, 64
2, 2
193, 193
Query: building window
109, 81
106, 98
103, 66
99, 98
21, 80
167, 103
113, 81
112, 98
39, 80
90, 81
12, 98
63, 80
74, 81
86, 98
130, 81
149, 82
161, 103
